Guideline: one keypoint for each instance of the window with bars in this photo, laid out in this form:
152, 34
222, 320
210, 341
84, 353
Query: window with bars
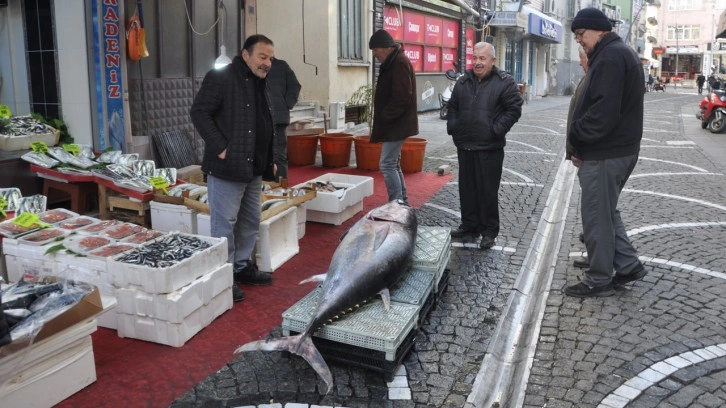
42, 57
675, 5
350, 30
685, 32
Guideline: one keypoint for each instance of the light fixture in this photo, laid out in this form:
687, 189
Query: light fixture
223, 60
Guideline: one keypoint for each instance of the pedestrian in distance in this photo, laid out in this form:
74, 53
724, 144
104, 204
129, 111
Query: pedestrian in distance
650, 82
284, 92
233, 114
484, 105
700, 80
606, 130
395, 116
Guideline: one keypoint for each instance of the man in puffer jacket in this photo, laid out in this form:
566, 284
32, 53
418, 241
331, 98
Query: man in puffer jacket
484, 106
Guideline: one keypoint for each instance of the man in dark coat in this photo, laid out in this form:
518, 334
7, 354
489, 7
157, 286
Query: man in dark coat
700, 80
605, 134
233, 115
484, 106
394, 109
284, 91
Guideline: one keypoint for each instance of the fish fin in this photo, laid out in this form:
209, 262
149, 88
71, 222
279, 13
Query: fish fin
314, 278
386, 297
380, 235
300, 344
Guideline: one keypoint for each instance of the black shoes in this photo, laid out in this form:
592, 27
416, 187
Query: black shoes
582, 291
581, 262
252, 276
237, 294
582, 237
486, 242
619, 280
464, 233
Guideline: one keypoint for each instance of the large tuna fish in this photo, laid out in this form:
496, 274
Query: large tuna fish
370, 258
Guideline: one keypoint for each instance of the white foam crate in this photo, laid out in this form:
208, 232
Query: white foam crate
356, 188
334, 218
204, 224
19, 266
169, 279
108, 318
22, 142
173, 217
301, 220
51, 370
174, 334
3, 267
88, 269
277, 240
176, 306
370, 327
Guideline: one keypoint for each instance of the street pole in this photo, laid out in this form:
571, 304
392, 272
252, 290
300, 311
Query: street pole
677, 50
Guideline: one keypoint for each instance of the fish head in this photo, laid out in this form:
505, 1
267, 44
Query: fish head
395, 211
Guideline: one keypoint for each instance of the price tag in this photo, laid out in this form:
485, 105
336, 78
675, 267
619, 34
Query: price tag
39, 147
26, 219
74, 149
5, 111
159, 183
3, 203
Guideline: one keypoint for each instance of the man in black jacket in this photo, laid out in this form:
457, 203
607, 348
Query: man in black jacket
484, 106
232, 113
605, 135
284, 91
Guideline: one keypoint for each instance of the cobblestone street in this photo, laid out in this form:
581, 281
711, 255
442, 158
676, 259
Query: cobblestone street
657, 342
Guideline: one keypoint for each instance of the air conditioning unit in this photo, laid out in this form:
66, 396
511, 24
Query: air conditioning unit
549, 7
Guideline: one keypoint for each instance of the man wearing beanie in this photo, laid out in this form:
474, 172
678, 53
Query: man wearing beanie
394, 109
605, 136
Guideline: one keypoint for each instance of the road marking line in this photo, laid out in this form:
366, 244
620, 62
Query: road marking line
539, 149
685, 173
671, 263
648, 228
676, 163
677, 197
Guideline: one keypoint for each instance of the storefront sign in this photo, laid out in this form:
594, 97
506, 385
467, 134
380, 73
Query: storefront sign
432, 59
107, 55
434, 30
413, 28
683, 49
414, 54
392, 22
451, 33
448, 56
509, 19
545, 28
469, 48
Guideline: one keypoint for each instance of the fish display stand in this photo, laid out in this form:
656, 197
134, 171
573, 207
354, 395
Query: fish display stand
371, 337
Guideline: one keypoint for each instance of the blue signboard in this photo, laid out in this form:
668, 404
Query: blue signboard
546, 28
109, 90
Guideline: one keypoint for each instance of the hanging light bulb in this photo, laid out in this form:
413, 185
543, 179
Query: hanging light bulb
223, 60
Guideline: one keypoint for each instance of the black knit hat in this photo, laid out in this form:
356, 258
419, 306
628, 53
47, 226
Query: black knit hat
381, 39
592, 19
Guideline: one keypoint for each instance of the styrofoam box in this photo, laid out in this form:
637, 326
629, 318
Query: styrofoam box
22, 259
334, 218
302, 217
357, 187
51, 370
85, 269
176, 306
172, 217
3, 268
204, 224
22, 142
108, 318
169, 279
174, 334
277, 240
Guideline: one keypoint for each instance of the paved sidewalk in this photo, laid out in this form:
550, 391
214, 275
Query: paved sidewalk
658, 342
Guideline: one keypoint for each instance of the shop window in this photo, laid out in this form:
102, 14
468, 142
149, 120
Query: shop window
350, 30
41, 54
685, 32
677, 5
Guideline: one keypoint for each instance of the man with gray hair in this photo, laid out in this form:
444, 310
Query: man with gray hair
484, 105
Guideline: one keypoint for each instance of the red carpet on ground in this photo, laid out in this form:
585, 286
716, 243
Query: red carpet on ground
135, 373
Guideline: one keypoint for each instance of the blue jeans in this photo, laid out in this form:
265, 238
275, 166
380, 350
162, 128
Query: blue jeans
391, 169
235, 215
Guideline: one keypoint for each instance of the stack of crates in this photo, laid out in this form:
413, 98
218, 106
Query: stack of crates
372, 337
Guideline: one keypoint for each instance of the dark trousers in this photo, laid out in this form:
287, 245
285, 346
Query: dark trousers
480, 172
281, 151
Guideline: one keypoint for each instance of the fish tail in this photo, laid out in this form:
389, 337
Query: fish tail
300, 344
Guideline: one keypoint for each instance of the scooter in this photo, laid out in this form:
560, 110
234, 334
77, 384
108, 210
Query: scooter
444, 97
712, 111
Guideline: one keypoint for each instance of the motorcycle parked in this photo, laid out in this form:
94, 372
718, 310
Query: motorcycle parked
712, 111
444, 97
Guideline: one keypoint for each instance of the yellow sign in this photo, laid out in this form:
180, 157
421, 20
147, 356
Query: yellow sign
159, 183
26, 219
74, 149
3, 203
39, 147
5, 111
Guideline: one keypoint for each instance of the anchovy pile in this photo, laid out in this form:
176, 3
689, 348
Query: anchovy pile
166, 251
26, 125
